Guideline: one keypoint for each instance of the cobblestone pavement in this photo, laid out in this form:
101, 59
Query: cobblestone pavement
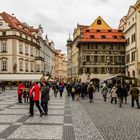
16, 125
68, 120
114, 123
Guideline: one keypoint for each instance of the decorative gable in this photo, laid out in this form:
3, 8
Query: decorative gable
99, 23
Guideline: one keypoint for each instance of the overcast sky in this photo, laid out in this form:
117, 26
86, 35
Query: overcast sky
59, 17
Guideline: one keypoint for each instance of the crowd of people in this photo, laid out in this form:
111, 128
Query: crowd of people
38, 93
116, 92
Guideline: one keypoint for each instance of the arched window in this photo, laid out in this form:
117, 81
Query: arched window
26, 65
20, 64
4, 64
99, 22
4, 46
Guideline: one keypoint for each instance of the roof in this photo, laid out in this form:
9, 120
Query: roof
15, 23
103, 35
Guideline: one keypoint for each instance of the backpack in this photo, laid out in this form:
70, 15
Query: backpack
73, 90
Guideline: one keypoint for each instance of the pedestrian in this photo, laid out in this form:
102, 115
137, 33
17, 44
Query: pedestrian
34, 99
73, 91
3, 86
45, 97
104, 92
61, 88
21, 88
120, 95
113, 94
78, 89
25, 95
91, 89
134, 92
69, 88
55, 89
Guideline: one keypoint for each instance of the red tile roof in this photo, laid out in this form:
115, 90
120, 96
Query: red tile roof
92, 35
15, 23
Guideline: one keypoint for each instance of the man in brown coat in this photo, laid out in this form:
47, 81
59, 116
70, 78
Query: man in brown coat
134, 96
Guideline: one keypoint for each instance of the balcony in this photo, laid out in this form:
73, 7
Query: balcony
39, 58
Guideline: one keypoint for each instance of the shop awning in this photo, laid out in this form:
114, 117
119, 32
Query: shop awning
20, 77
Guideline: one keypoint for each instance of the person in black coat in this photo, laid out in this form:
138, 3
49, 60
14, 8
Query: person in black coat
45, 97
120, 94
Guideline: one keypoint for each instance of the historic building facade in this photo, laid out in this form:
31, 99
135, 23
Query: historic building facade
100, 51
61, 66
22, 48
130, 25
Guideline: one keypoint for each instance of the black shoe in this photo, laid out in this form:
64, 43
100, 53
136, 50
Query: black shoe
41, 114
46, 114
31, 116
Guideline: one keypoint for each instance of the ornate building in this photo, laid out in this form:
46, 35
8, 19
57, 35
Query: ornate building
100, 51
130, 24
22, 48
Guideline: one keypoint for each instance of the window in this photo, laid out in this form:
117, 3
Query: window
133, 38
26, 49
103, 70
102, 58
114, 36
21, 47
26, 65
4, 64
32, 65
109, 30
96, 46
21, 65
133, 56
127, 58
103, 36
88, 58
87, 30
4, 45
31, 51
91, 36
98, 30
37, 68
95, 58
99, 22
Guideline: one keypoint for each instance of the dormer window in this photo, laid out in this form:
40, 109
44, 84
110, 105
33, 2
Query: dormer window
92, 36
109, 31
98, 30
103, 36
99, 22
1, 23
87, 30
114, 36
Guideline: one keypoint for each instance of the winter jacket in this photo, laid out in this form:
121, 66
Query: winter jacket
45, 94
104, 91
21, 87
134, 92
35, 92
113, 92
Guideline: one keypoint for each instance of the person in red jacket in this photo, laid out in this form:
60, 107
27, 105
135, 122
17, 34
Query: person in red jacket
21, 88
34, 99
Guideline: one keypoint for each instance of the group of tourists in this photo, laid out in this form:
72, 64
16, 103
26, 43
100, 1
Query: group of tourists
116, 92
31, 92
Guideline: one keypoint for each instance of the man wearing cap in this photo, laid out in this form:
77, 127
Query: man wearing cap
34, 99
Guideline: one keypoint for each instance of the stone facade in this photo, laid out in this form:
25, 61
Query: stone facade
23, 49
130, 25
97, 51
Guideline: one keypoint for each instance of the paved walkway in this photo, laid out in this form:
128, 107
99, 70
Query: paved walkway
68, 120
